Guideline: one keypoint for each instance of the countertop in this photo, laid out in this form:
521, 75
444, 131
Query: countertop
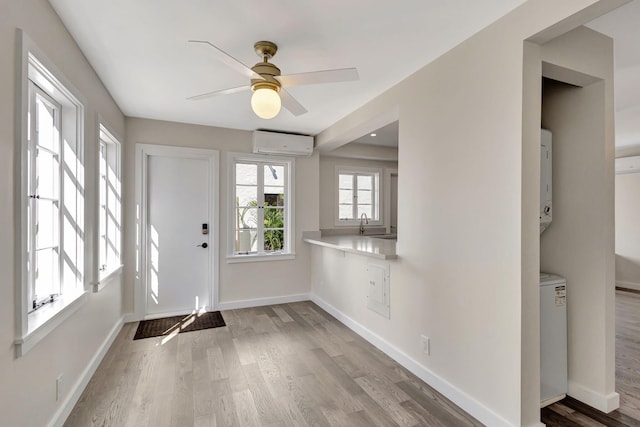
362, 245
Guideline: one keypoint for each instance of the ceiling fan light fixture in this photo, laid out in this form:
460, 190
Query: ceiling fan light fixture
268, 84
265, 101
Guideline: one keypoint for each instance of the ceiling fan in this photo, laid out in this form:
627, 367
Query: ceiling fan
268, 85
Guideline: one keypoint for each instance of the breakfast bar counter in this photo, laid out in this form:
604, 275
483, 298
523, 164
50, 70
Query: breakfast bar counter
371, 246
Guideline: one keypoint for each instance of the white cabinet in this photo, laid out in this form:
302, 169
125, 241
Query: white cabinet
378, 288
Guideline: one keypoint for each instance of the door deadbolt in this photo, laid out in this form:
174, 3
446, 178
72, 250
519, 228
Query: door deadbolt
204, 245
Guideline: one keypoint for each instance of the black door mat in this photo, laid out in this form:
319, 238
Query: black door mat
179, 324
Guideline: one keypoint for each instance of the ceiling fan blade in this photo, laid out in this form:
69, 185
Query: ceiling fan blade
230, 61
291, 104
218, 92
316, 77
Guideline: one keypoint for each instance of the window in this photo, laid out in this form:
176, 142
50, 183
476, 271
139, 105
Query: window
358, 193
44, 209
261, 218
51, 274
109, 203
55, 240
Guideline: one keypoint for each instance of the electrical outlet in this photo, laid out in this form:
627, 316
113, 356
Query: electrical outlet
58, 387
426, 345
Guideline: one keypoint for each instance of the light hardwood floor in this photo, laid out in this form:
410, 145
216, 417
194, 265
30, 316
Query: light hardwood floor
570, 412
283, 365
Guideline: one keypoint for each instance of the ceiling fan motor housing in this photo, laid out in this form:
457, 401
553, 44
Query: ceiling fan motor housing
265, 50
269, 72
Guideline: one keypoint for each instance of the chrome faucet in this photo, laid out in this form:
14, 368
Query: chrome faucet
366, 221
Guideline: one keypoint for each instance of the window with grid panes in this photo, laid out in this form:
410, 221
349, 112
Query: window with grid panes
358, 194
55, 191
109, 203
262, 214
50, 238
44, 209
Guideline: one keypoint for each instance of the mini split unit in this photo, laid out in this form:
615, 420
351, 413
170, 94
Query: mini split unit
282, 144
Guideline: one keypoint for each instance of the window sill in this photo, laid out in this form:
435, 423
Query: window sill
232, 259
44, 320
106, 278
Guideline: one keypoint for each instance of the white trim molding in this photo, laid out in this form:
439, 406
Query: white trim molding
43, 321
143, 152
33, 65
628, 285
109, 278
378, 193
259, 302
457, 396
605, 403
289, 165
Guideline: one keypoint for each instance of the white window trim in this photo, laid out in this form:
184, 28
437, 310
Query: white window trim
107, 279
381, 201
32, 328
103, 278
233, 158
36, 92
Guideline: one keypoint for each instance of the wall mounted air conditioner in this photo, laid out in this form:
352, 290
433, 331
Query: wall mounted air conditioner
282, 144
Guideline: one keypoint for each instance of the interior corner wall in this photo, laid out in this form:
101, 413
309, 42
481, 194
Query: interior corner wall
627, 224
579, 243
459, 275
628, 230
28, 391
239, 283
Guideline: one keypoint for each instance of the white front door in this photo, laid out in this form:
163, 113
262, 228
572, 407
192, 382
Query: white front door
178, 255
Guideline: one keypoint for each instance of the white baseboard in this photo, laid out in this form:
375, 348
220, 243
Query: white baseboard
460, 398
228, 305
628, 285
72, 398
258, 302
130, 317
171, 314
604, 403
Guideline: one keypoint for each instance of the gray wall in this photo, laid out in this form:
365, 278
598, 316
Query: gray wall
579, 244
27, 394
467, 274
248, 282
627, 224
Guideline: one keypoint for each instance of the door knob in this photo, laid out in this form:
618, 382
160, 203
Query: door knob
204, 245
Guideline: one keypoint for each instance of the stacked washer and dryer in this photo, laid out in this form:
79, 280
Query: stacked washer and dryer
553, 299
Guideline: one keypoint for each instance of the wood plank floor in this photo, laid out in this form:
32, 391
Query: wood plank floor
283, 365
570, 412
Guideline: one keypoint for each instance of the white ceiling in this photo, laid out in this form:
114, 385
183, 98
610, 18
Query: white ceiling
140, 51
386, 136
623, 25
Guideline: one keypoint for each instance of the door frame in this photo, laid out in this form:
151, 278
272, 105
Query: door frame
141, 211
